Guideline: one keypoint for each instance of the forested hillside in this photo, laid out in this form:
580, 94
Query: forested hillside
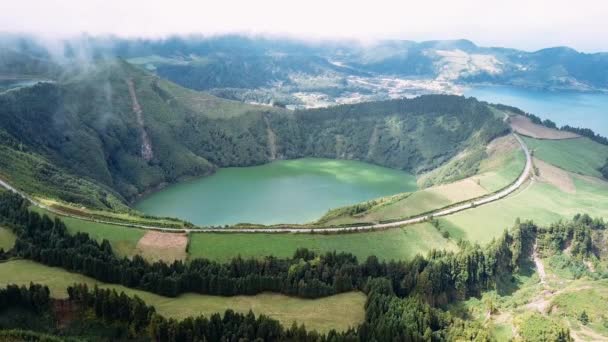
123, 132
406, 300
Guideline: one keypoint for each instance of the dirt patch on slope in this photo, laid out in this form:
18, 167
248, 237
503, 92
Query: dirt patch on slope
497, 149
156, 246
502, 145
555, 176
459, 191
146, 146
523, 125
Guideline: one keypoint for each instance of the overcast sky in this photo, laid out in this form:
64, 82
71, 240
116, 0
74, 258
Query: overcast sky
525, 24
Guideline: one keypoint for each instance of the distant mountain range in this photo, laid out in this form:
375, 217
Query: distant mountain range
312, 74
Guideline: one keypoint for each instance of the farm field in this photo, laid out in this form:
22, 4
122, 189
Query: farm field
397, 244
321, 314
525, 126
123, 239
580, 155
401, 243
7, 239
155, 246
539, 201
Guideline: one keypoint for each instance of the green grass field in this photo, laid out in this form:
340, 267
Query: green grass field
502, 171
123, 239
580, 155
403, 243
537, 201
7, 239
322, 314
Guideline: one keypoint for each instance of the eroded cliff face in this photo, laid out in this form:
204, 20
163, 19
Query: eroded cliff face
146, 145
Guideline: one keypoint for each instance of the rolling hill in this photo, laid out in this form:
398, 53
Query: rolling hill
114, 132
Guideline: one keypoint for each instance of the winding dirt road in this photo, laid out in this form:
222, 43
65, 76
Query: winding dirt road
380, 226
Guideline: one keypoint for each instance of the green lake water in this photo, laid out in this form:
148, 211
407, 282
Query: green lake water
578, 109
288, 191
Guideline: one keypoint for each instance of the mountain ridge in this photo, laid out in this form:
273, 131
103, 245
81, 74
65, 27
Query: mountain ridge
86, 127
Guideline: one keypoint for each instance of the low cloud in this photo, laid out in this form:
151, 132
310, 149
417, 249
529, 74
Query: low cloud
519, 23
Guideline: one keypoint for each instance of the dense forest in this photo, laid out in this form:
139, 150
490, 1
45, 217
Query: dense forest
84, 127
406, 299
604, 170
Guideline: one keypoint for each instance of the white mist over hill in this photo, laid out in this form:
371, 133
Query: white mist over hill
528, 25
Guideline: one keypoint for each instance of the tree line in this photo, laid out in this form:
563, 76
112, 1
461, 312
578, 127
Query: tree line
440, 278
405, 298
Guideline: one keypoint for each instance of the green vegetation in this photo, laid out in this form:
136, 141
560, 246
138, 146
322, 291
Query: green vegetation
536, 327
540, 202
501, 170
503, 164
320, 314
463, 165
123, 239
399, 294
393, 244
73, 140
581, 155
7, 239
32, 173
586, 298
604, 170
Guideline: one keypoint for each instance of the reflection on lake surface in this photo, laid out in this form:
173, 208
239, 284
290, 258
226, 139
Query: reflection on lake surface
288, 191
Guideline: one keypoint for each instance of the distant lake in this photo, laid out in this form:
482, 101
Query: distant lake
588, 110
287, 191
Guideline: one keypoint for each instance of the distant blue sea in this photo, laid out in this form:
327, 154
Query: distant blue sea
588, 110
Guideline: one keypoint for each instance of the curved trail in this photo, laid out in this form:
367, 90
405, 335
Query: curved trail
380, 226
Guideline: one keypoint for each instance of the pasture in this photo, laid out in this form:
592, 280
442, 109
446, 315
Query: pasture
525, 126
581, 155
123, 239
542, 202
156, 246
322, 314
7, 239
397, 244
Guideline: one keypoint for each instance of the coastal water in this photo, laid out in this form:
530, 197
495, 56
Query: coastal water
588, 110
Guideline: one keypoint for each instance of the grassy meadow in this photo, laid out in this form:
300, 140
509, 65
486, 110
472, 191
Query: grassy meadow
401, 243
321, 314
541, 202
7, 239
581, 155
123, 239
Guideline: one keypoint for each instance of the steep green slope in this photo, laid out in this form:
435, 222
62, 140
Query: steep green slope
123, 132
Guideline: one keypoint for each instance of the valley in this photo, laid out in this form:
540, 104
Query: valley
227, 187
